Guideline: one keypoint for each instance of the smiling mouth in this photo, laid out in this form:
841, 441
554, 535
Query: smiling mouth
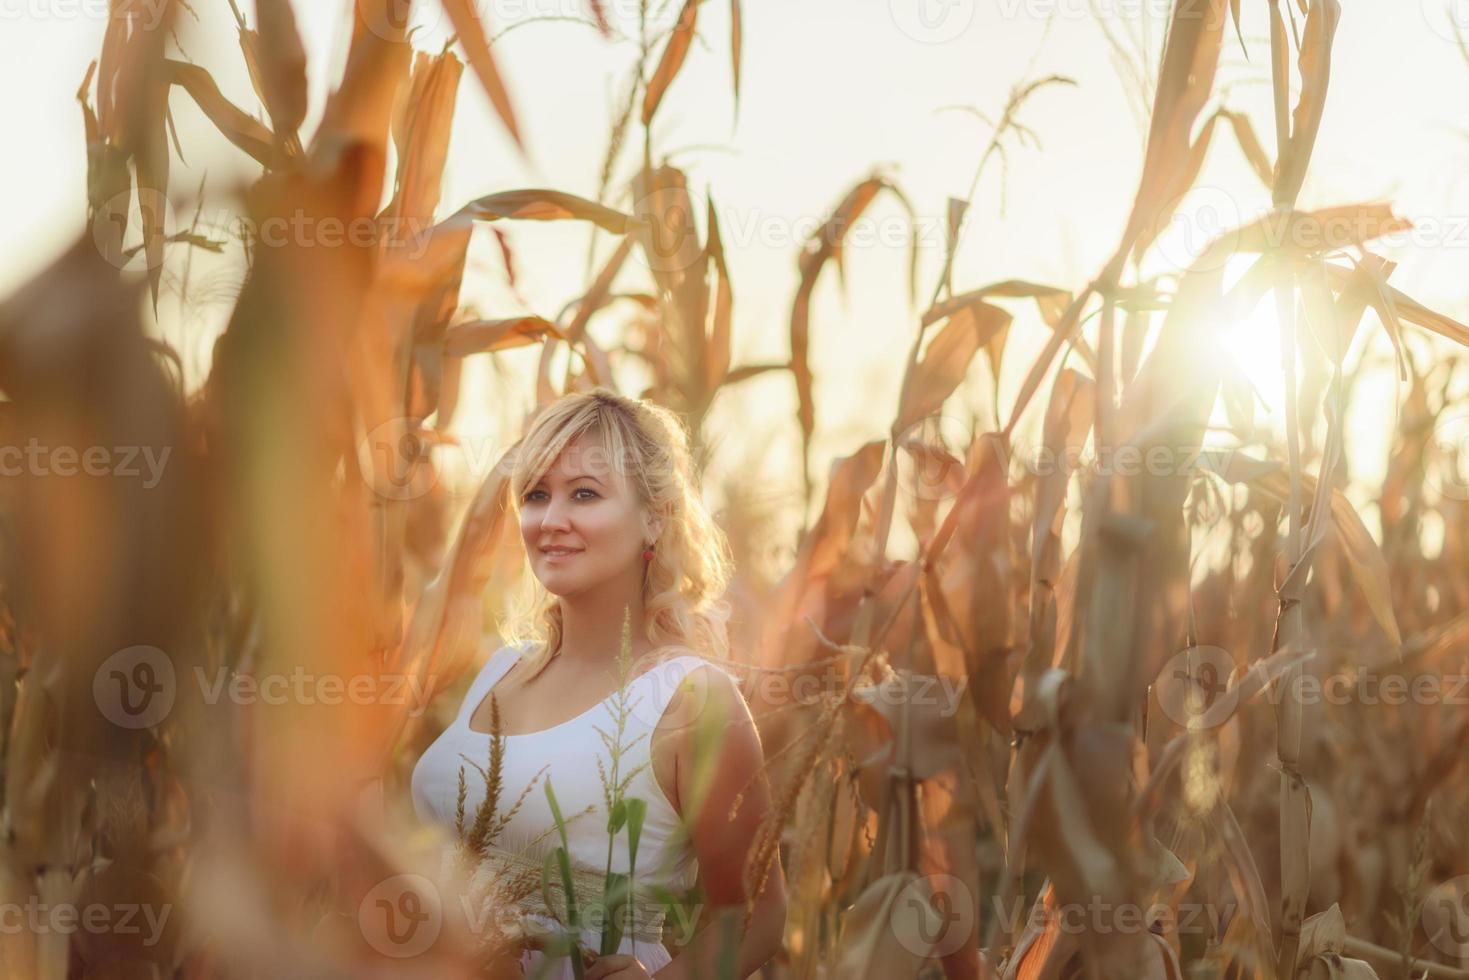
559, 555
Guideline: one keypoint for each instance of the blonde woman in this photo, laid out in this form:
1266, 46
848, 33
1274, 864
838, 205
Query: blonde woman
613, 527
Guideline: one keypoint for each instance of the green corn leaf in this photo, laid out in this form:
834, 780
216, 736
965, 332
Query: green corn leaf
556, 815
615, 906
637, 811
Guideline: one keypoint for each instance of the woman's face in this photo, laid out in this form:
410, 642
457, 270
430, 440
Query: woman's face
582, 523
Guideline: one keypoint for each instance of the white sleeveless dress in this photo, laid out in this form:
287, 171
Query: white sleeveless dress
665, 854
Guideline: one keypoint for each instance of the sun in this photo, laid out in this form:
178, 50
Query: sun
1253, 344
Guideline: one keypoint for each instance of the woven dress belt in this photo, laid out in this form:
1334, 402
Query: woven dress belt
642, 914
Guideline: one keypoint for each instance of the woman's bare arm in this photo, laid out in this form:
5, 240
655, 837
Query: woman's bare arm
722, 841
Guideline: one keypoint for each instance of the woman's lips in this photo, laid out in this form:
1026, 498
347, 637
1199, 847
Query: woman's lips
559, 557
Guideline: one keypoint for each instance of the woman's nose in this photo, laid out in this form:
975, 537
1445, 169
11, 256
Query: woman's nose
554, 515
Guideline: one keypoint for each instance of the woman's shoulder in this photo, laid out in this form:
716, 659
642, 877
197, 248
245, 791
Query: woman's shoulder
699, 691
500, 660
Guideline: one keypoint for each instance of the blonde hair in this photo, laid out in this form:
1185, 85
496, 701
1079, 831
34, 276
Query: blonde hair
683, 584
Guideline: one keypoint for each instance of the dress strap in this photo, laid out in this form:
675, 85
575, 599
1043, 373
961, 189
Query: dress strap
658, 685
496, 666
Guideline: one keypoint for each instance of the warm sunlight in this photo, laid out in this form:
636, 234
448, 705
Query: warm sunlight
675, 489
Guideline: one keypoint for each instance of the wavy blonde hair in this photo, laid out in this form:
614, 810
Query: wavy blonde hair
684, 583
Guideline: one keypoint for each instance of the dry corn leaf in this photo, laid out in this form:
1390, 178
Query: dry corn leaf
882, 935
483, 336
1406, 308
1140, 563
950, 660
276, 61
1364, 558
241, 129
674, 53
1185, 79
945, 361
1315, 68
437, 646
537, 204
1063, 332
824, 244
1068, 422
597, 296
736, 45
1051, 300
421, 131
150, 166
669, 236
1317, 232
599, 14
360, 111
969, 561
717, 363
1244, 874
1280, 80
1249, 144
1187, 176
850, 478
465, 17
1044, 948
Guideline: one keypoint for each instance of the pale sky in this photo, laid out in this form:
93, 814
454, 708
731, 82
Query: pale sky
831, 89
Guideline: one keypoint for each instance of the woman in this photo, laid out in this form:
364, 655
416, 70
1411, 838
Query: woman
614, 529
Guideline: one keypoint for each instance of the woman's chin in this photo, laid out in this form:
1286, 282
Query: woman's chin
558, 583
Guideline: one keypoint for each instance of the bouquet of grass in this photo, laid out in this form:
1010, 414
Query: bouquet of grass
615, 889
510, 894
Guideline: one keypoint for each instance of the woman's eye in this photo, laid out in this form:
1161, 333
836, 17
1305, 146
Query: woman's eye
533, 494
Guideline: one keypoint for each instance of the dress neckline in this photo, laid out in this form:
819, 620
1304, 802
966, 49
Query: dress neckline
570, 721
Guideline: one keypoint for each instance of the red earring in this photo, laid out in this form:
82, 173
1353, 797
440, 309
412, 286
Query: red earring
647, 554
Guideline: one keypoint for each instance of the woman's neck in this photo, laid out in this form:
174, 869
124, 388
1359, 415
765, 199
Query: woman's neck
591, 626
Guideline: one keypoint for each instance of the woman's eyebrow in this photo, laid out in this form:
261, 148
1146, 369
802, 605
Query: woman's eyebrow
573, 479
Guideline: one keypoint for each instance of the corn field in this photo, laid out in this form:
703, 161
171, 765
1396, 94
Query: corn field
1147, 697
